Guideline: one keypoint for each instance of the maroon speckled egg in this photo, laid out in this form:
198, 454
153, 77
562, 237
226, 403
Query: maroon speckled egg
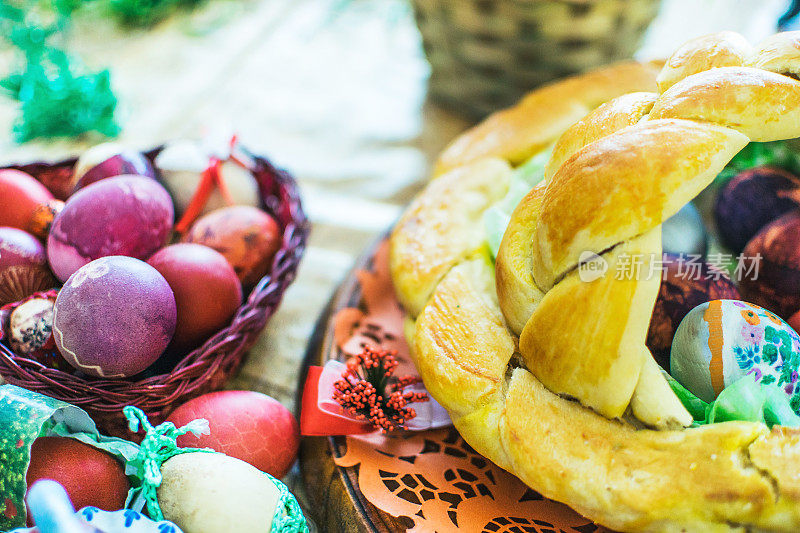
125, 215
751, 200
207, 291
684, 285
20, 196
114, 317
248, 425
23, 266
91, 477
247, 237
771, 267
107, 160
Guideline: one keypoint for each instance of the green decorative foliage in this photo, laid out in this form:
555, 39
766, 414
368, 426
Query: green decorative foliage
58, 95
59, 99
143, 13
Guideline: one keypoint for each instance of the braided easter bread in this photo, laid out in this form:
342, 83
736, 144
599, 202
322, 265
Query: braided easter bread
547, 374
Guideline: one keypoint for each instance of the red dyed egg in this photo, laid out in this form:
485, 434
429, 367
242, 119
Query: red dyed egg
23, 266
771, 267
20, 197
247, 425
684, 285
207, 291
90, 476
247, 237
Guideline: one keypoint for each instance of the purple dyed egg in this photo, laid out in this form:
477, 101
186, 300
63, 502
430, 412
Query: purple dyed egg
107, 160
114, 317
751, 200
125, 215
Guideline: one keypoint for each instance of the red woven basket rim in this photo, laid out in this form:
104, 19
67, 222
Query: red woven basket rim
219, 356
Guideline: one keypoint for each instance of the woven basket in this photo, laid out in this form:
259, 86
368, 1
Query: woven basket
205, 369
486, 54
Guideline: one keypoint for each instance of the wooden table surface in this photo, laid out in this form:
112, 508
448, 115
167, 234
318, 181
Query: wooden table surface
334, 90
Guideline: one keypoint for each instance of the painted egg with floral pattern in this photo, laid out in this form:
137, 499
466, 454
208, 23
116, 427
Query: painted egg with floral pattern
721, 341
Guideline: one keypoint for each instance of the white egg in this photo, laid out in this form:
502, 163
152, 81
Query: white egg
182, 163
215, 493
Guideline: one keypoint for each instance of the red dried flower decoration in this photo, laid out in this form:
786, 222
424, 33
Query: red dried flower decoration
368, 391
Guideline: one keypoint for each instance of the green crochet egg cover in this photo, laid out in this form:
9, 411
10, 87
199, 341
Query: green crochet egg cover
160, 444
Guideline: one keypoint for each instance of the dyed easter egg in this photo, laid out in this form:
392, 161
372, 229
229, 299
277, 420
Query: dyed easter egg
114, 317
125, 215
685, 284
205, 492
770, 267
684, 232
721, 341
107, 160
23, 266
43, 218
751, 200
247, 237
181, 165
31, 326
207, 291
21, 196
90, 476
247, 425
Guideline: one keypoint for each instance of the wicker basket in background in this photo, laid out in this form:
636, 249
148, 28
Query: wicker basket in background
485, 54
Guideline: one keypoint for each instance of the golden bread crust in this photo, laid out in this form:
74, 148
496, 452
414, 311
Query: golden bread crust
452, 205
516, 290
723, 49
761, 104
614, 178
516, 133
614, 313
778, 53
623, 185
610, 117
628, 479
